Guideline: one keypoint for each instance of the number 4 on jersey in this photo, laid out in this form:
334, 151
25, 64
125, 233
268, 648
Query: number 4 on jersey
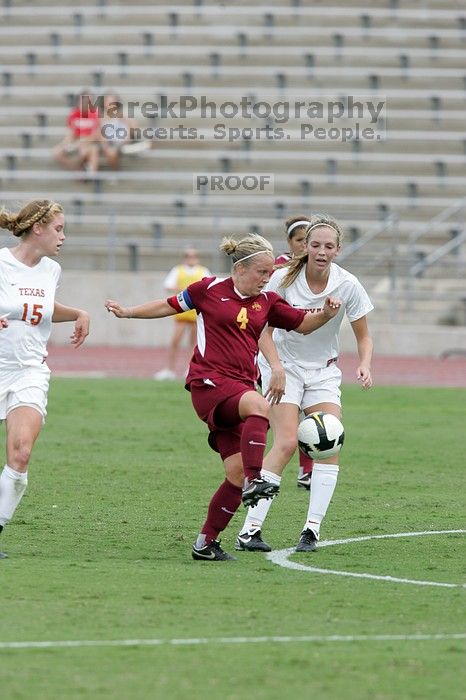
242, 318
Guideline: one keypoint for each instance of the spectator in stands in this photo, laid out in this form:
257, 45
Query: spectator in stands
232, 314
28, 280
295, 230
180, 277
304, 367
116, 130
79, 149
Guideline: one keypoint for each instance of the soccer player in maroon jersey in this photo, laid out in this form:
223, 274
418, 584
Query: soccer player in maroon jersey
295, 229
231, 315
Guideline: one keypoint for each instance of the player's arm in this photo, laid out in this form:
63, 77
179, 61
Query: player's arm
312, 322
276, 387
62, 313
160, 307
365, 348
152, 309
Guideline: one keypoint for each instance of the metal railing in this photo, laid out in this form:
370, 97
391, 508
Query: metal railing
420, 260
437, 254
387, 224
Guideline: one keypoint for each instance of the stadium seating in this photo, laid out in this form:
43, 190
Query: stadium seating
409, 55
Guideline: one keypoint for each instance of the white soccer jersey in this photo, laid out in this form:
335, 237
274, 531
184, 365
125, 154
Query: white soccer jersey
27, 295
316, 349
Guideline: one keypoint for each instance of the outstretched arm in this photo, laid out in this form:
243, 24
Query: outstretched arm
152, 309
63, 313
312, 322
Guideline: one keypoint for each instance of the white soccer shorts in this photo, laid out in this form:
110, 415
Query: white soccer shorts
25, 387
306, 388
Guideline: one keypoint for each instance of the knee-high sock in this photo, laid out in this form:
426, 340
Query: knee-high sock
12, 487
257, 514
323, 482
222, 507
253, 442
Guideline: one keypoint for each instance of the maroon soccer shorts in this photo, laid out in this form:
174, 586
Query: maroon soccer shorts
216, 403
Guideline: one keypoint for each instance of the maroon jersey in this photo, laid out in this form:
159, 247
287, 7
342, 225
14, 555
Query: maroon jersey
229, 327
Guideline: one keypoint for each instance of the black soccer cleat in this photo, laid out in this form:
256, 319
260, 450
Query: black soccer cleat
307, 542
257, 489
304, 481
251, 541
211, 552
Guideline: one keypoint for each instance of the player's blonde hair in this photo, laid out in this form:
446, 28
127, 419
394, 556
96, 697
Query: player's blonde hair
315, 221
40, 211
243, 250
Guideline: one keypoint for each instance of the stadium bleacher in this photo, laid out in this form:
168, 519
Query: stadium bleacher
408, 56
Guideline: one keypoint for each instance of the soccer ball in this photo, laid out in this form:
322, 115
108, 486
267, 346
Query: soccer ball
320, 435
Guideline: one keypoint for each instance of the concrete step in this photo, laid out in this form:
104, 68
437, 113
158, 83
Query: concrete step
217, 55
348, 188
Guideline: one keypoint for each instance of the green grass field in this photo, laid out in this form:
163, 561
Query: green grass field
100, 550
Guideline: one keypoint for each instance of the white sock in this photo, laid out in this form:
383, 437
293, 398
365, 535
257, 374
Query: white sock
201, 541
257, 514
12, 487
323, 482
271, 476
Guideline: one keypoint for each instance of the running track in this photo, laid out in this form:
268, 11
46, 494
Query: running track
143, 362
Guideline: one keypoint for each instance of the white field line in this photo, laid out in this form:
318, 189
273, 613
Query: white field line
280, 557
197, 641
282, 554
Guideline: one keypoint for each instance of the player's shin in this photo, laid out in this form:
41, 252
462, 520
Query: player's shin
253, 442
12, 487
222, 507
323, 483
256, 515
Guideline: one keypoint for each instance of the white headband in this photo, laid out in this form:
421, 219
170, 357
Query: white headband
297, 224
322, 224
258, 252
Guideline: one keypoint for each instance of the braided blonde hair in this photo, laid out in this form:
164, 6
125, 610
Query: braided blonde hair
40, 211
315, 221
246, 248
